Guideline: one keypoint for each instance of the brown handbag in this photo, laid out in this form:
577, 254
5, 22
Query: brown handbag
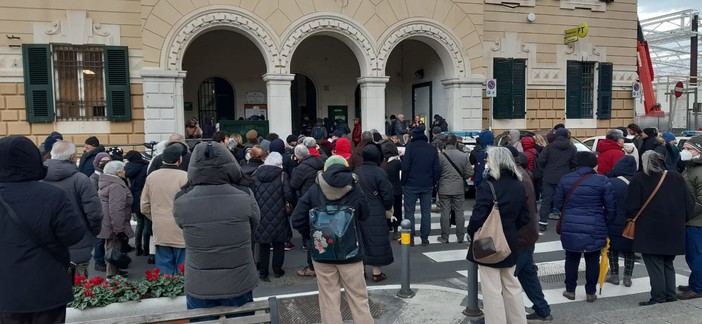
630, 227
489, 242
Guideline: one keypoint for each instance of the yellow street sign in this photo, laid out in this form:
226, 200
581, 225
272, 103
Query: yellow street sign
582, 30
572, 32
569, 40
571, 35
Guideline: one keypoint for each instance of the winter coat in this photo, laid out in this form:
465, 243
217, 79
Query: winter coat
451, 182
356, 134
557, 159
420, 164
94, 178
218, 217
116, 201
84, 199
303, 176
251, 166
136, 172
439, 141
157, 204
335, 186
532, 154
631, 150
693, 180
394, 165
379, 197
514, 140
625, 168
272, 190
85, 166
514, 213
441, 123
357, 156
157, 161
486, 139
672, 158
661, 227
584, 224
529, 234
31, 280
399, 129
609, 152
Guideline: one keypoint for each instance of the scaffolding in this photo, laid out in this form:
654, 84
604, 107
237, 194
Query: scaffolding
669, 38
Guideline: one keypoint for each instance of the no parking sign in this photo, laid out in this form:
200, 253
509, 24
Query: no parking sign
491, 88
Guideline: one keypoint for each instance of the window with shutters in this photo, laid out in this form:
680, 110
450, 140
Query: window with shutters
76, 82
510, 102
580, 90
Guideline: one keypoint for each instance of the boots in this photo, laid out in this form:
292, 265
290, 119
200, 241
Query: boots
627, 281
139, 251
614, 279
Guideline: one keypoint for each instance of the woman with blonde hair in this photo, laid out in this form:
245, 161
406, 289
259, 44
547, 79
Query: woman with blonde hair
502, 293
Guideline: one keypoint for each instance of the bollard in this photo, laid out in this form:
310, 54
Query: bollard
472, 309
405, 238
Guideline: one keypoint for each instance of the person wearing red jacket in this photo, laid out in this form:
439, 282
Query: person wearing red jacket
356, 134
610, 151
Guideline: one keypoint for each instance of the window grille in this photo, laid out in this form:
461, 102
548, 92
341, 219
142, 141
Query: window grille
80, 82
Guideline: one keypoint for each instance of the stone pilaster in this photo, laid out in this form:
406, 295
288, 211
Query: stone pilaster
464, 103
373, 102
163, 103
279, 102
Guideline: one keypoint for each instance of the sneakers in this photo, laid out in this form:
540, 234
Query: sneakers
100, 267
288, 246
533, 317
648, 303
278, 275
460, 238
614, 279
441, 239
569, 295
553, 216
627, 281
591, 298
306, 272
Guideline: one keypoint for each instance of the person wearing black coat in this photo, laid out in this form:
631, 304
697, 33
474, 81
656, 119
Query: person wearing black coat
660, 229
502, 293
92, 148
303, 177
35, 284
379, 194
272, 191
620, 176
394, 166
556, 160
135, 170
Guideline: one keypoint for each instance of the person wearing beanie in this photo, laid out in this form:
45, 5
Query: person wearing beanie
438, 140
421, 171
337, 134
651, 142
135, 170
311, 146
556, 160
343, 149
610, 150
174, 140
587, 200
266, 145
214, 177
672, 153
477, 156
357, 158
49, 142
277, 145
692, 151
291, 140
338, 185
92, 148
335, 159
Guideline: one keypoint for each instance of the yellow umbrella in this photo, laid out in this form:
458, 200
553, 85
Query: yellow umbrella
604, 265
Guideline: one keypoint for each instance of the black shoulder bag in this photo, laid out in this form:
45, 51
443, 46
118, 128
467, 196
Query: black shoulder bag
70, 268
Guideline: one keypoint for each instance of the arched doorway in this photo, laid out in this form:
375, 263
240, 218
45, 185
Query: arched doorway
303, 99
216, 99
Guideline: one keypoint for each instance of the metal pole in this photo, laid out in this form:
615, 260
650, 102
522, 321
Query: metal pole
490, 115
405, 239
472, 309
693, 51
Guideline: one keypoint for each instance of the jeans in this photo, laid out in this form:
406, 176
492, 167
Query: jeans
194, 303
168, 258
693, 256
592, 270
424, 196
264, 258
661, 276
529, 279
547, 192
143, 230
99, 252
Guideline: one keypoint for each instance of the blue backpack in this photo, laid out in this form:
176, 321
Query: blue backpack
333, 231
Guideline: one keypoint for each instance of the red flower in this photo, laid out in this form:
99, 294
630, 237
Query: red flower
166, 276
87, 285
330, 241
88, 293
150, 276
96, 281
157, 271
105, 285
117, 283
77, 279
182, 268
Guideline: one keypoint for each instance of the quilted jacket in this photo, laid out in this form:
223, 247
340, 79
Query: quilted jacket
303, 175
272, 190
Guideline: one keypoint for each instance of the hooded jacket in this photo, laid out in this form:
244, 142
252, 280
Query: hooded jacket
693, 180
420, 164
486, 139
557, 159
380, 197
609, 153
452, 181
304, 174
217, 216
532, 154
157, 204
343, 148
55, 222
272, 190
116, 201
83, 197
335, 186
514, 140
625, 168
85, 165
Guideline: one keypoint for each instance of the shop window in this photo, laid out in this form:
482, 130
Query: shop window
510, 102
67, 83
580, 90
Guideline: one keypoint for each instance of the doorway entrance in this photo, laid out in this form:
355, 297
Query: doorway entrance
216, 100
422, 103
303, 97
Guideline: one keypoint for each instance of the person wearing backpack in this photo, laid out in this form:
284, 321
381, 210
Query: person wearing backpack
337, 185
620, 176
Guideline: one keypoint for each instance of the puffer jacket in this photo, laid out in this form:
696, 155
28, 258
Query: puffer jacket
693, 180
451, 182
304, 174
84, 200
85, 165
609, 152
116, 201
529, 146
557, 159
584, 224
625, 168
272, 190
379, 196
219, 261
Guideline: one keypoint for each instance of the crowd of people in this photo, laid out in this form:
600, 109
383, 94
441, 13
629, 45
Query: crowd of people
271, 184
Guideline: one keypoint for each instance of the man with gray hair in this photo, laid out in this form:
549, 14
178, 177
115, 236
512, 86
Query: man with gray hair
63, 173
399, 128
302, 178
610, 151
175, 139
357, 157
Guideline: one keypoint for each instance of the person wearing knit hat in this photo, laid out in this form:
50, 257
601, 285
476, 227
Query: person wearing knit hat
419, 131
49, 143
692, 150
333, 160
311, 146
291, 140
266, 145
668, 137
92, 148
562, 132
171, 155
651, 142
672, 156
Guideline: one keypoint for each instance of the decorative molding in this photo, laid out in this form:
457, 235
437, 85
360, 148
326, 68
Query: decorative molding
448, 47
11, 65
352, 34
519, 3
179, 38
496, 46
76, 29
593, 5
624, 78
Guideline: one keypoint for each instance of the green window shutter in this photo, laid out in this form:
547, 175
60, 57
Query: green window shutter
38, 89
519, 88
502, 104
604, 93
573, 89
119, 104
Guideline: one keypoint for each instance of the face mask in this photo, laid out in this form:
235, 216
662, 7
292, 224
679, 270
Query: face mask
685, 155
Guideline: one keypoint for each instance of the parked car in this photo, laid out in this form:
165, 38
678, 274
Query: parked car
501, 140
592, 142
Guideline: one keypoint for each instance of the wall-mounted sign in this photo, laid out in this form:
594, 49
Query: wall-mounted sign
491, 88
636, 89
256, 97
572, 35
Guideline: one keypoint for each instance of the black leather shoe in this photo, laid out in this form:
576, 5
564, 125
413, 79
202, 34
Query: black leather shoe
648, 303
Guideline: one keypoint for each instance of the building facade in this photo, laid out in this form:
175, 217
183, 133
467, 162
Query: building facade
130, 71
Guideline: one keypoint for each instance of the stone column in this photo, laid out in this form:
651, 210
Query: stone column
464, 103
279, 103
163, 104
373, 102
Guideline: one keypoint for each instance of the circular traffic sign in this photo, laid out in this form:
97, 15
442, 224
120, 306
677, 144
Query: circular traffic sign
678, 89
491, 84
637, 86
